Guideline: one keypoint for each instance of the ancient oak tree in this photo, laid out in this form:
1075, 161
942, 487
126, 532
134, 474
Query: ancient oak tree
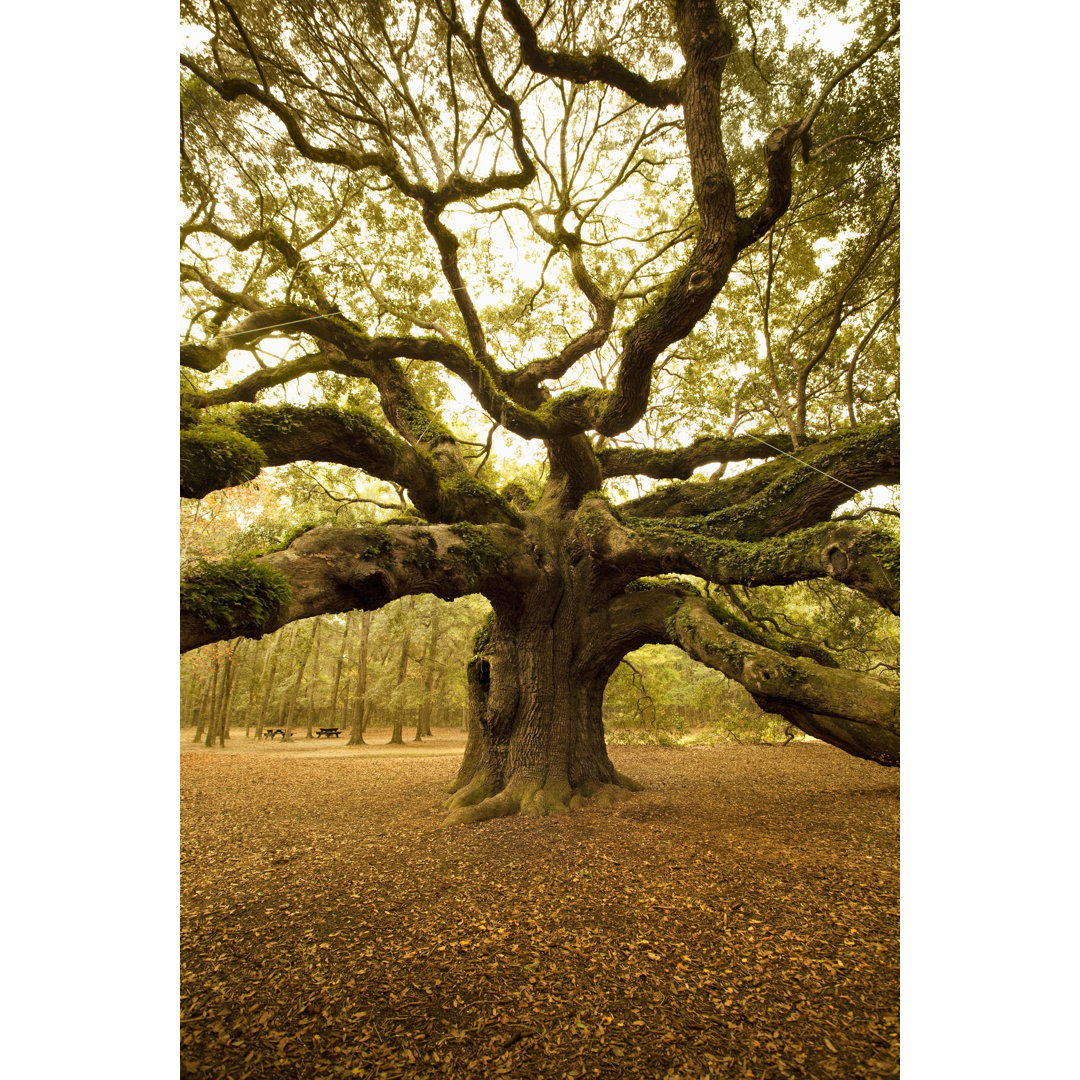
617, 242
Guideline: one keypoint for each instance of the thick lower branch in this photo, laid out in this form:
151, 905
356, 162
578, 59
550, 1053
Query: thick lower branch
864, 559
327, 570
857, 712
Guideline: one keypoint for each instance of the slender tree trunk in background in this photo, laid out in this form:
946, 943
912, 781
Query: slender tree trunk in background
212, 715
396, 735
189, 697
337, 675
288, 644
431, 671
224, 709
198, 708
260, 660
356, 737
313, 679
268, 685
294, 701
206, 703
232, 691
440, 714
403, 667
347, 697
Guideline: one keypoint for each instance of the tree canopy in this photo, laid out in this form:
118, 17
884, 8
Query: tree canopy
600, 300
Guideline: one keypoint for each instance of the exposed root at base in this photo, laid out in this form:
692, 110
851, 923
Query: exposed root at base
474, 803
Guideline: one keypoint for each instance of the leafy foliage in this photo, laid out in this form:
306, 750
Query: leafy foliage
660, 696
213, 457
239, 596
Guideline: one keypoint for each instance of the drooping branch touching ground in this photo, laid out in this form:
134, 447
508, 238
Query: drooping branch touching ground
858, 713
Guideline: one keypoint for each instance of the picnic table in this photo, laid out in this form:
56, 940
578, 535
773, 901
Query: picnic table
328, 731
269, 733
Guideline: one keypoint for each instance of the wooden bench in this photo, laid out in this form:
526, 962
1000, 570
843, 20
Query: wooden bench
328, 731
269, 733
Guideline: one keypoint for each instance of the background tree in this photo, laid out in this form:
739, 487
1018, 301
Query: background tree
358, 715
572, 238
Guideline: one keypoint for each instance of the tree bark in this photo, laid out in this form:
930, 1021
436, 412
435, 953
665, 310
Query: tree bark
398, 696
258, 677
203, 707
232, 689
212, 719
268, 686
431, 670
536, 692
337, 675
359, 717
313, 679
536, 689
294, 698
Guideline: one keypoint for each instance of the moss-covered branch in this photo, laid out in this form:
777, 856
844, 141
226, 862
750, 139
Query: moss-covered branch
213, 456
854, 711
239, 598
791, 492
216, 455
326, 570
864, 559
680, 464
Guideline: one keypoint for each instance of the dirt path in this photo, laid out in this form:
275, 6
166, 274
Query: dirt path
739, 918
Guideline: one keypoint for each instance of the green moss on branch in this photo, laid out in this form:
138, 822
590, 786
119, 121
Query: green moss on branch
214, 457
477, 550
464, 495
240, 596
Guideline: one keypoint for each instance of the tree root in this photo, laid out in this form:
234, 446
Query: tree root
473, 803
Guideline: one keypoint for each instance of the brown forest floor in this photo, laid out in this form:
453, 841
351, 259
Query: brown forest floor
737, 919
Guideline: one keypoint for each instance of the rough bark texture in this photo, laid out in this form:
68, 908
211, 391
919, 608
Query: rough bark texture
536, 734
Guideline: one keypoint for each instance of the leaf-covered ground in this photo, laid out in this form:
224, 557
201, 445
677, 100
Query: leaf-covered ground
737, 919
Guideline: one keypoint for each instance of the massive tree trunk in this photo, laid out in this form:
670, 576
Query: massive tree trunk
539, 670
536, 693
